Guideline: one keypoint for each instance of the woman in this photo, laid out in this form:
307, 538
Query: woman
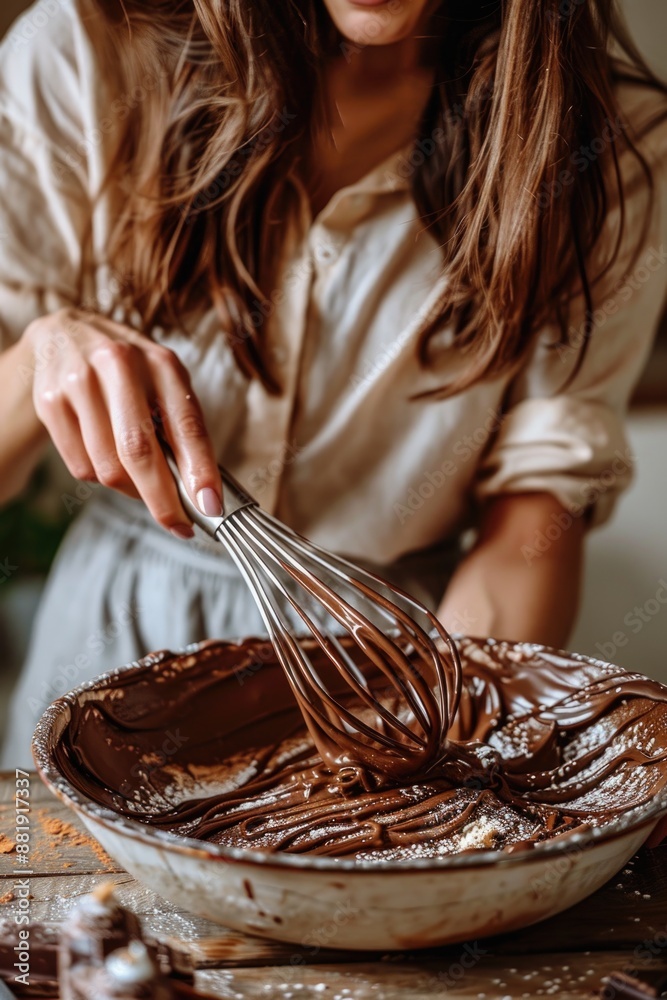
396, 264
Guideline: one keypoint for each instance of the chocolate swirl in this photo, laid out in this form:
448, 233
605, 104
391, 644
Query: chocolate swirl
211, 745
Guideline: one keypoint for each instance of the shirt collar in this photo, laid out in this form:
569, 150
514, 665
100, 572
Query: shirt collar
392, 175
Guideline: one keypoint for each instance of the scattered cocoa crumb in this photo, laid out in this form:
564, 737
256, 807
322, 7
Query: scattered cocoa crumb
102, 855
36, 855
6, 845
7, 898
60, 831
63, 832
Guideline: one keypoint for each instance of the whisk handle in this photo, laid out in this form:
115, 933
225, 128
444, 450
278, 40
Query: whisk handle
234, 497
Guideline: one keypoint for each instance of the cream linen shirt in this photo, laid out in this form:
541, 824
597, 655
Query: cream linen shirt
344, 454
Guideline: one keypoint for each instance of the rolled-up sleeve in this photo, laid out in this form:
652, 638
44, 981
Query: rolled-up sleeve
44, 198
566, 436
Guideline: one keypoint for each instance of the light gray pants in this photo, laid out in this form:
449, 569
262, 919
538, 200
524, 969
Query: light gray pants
122, 587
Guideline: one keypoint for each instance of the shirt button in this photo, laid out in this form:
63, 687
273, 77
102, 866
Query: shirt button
326, 253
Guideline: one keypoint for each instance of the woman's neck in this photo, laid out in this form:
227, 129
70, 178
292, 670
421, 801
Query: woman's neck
375, 98
384, 63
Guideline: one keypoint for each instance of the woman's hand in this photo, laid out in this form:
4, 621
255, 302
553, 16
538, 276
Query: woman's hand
101, 389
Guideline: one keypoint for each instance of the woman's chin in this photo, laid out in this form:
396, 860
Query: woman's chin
382, 24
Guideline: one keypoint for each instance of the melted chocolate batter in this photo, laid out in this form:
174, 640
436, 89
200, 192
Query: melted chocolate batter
212, 745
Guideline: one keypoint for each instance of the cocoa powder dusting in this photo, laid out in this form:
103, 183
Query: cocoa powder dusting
66, 834
6, 845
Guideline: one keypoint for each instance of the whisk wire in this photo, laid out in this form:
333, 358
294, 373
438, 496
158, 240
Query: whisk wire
394, 599
276, 628
400, 642
416, 691
356, 679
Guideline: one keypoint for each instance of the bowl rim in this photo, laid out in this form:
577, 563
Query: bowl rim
567, 844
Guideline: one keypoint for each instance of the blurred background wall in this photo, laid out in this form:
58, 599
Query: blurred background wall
648, 21
623, 616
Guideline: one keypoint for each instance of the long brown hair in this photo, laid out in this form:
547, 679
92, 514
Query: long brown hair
203, 165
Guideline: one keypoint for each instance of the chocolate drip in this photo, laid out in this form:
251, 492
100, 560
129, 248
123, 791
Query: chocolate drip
211, 745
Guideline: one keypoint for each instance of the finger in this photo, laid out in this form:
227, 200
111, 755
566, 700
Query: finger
183, 424
87, 401
55, 412
124, 381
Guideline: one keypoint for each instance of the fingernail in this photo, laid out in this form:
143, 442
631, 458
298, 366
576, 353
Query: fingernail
209, 502
183, 531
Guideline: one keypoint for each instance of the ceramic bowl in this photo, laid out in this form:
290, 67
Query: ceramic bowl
320, 901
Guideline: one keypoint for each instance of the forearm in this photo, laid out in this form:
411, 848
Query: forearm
505, 589
22, 436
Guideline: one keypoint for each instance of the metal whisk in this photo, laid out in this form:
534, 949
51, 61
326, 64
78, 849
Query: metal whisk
380, 644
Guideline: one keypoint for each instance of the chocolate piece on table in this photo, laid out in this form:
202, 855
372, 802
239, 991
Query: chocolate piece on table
43, 958
172, 959
87, 944
127, 974
97, 926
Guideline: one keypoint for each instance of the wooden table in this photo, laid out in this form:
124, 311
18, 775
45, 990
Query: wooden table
621, 927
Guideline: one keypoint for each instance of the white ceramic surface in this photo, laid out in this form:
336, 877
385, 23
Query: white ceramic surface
364, 910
